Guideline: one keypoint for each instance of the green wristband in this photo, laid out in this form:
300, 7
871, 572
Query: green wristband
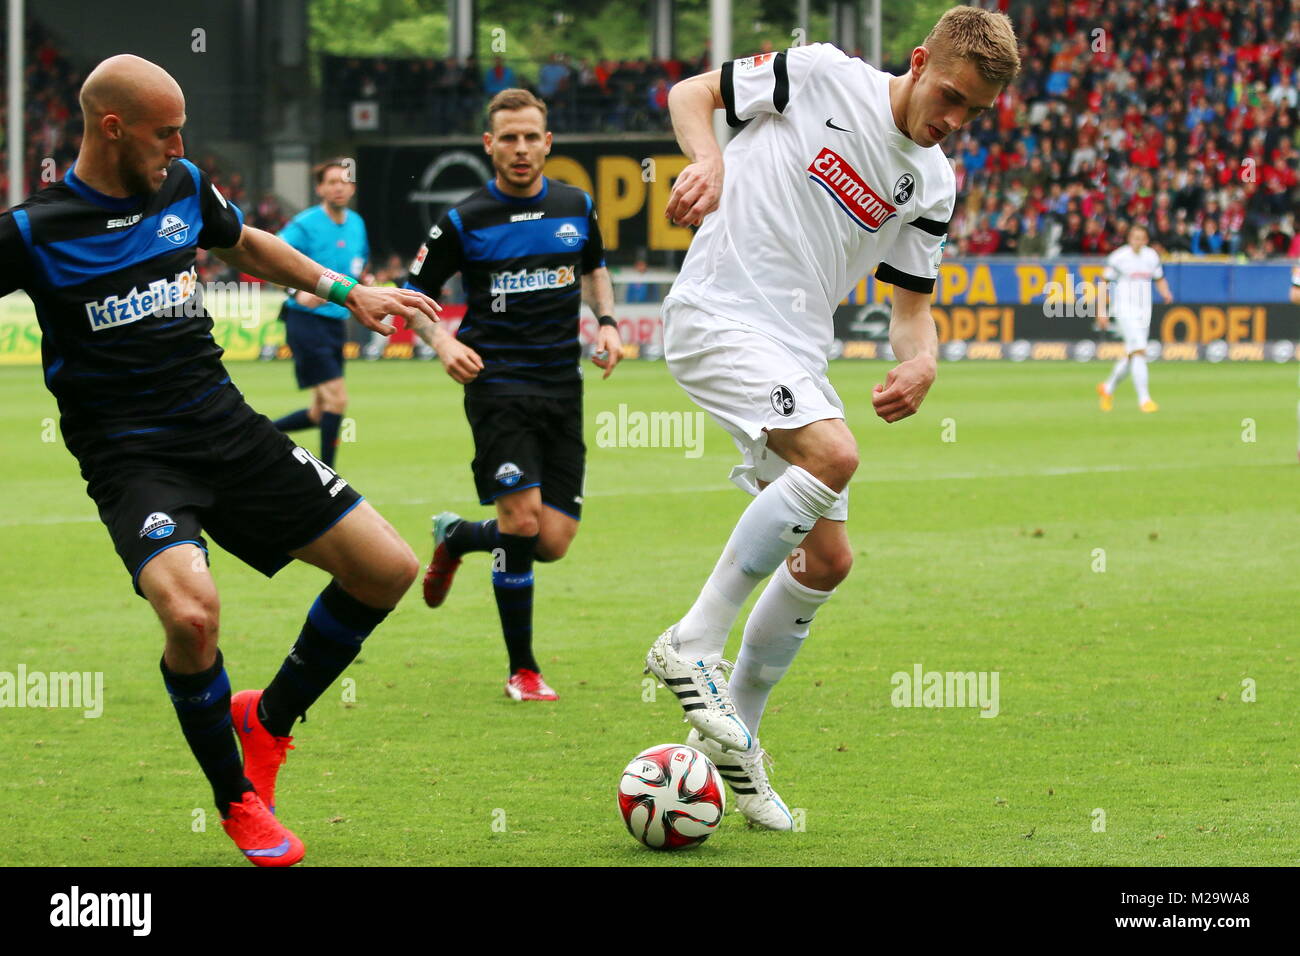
340, 289
334, 286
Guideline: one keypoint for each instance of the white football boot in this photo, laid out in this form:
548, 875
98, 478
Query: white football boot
747, 778
702, 691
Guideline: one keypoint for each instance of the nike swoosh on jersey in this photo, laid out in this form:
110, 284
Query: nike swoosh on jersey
802, 620
840, 128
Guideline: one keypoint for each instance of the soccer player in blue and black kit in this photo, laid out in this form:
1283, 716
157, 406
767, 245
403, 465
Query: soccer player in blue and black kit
315, 329
528, 249
167, 444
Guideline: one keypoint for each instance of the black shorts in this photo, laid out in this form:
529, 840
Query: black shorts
528, 441
259, 499
317, 345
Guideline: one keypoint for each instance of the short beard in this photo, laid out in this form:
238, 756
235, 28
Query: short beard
510, 176
135, 182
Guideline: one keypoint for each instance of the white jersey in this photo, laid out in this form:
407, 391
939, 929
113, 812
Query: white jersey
1130, 273
819, 188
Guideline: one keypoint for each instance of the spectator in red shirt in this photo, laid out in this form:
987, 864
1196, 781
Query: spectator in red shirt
984, 241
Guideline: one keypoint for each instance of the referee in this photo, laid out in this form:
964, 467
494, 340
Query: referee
529, 252
315, 330
169, 448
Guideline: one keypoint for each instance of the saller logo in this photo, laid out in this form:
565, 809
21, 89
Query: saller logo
135, 305
533, 280
834, 174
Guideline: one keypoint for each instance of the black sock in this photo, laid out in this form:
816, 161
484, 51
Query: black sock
331, 637
202, 703
294, 421
466, 536
329, 437
512, 581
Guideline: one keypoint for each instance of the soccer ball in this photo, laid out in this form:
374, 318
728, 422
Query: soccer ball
671, 797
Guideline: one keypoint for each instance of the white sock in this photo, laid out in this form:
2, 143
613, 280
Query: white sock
1140, 378
773, 525
773, 635
1117, 375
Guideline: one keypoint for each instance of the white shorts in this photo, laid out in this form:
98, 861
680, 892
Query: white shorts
1136, 331
748, 383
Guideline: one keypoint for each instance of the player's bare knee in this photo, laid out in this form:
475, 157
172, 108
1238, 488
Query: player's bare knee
388, 579
837, 463
522, 521
553, 548
407, 570
192, 619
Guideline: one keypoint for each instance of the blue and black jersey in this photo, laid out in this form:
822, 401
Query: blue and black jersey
522, 262
126, 343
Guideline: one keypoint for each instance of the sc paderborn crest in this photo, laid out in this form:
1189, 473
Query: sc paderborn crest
783, 401
903, 188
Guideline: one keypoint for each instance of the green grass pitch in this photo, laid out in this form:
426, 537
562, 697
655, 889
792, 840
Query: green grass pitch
1121, 690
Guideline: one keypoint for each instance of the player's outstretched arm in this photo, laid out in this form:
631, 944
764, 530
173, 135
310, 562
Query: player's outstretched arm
269, 257
698, 189
598, 295
916, 344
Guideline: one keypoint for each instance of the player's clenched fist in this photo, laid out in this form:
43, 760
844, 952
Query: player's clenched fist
372, 306
905, 388
461, 362
696, 193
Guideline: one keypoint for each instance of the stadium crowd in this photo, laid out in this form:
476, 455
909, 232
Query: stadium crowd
1182, 114
447, 96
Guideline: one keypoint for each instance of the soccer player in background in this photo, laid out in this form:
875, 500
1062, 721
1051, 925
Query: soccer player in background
1130, 270
166, 442
529, 250
314, 328
837, 170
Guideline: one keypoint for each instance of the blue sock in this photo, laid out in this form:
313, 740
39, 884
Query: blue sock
466, 536
329, 437
331, 638
512, 582
202, 703
294, 421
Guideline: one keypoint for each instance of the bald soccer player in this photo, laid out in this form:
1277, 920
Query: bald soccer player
168, 446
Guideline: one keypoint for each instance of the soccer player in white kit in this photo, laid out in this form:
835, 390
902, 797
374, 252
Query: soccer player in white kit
836, 172
1130, 270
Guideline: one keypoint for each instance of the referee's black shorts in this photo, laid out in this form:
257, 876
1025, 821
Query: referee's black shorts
528, 441
317, 345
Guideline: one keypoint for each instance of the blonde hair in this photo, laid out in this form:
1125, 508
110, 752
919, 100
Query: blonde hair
981, 37
514, 99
